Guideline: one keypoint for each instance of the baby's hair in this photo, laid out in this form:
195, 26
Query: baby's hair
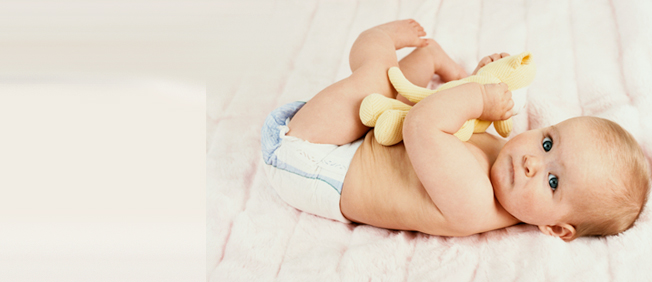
627, 186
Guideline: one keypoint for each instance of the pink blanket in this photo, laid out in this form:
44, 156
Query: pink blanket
593, 58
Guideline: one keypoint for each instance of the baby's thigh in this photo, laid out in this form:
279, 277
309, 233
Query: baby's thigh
333, 115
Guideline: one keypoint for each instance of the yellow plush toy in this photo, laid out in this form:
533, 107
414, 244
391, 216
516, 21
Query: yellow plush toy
387, 115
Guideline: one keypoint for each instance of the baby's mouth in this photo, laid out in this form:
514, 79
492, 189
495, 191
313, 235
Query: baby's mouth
511, 170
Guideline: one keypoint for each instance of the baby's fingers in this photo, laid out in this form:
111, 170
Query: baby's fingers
495, 57
507, 104
505, 89
485, 61
507, 115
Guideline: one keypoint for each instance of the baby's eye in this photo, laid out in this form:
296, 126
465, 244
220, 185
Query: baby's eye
553, 181
547, 144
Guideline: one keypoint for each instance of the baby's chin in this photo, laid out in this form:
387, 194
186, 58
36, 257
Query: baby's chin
500, 175
500, 181
497, 182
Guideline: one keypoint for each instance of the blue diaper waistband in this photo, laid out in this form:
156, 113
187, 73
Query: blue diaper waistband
270, 135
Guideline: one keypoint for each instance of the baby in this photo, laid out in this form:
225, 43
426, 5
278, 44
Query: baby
584, 176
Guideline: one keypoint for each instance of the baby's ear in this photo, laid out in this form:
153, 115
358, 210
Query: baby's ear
564, 231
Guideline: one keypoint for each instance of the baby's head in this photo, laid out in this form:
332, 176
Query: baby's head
582, 177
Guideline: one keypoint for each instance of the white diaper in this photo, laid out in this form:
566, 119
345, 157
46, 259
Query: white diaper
305, 175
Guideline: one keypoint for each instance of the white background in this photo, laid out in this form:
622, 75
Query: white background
103, 136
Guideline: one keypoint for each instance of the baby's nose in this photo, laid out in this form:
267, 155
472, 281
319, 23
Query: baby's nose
531, 165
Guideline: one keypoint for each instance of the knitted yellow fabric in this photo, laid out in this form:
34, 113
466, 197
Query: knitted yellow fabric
387, 114
375, 104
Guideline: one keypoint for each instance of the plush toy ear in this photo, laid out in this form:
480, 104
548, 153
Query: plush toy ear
520, 60
523, 71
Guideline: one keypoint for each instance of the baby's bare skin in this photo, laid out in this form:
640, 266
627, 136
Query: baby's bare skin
382, 187
332, 116
433, 182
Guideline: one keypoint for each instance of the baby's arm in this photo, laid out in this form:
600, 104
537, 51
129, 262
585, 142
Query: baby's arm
451, 175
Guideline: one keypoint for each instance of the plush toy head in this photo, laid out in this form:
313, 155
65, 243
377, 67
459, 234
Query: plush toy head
516, 71
387, 115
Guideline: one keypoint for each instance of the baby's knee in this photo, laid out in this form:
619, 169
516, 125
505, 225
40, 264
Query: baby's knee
433, 48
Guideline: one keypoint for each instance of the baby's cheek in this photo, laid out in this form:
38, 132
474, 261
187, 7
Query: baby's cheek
528, 206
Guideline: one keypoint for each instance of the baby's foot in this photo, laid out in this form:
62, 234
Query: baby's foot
488, 59
445, 67
405, 33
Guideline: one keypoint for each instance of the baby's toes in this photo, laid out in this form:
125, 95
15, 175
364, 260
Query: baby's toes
419, 29
415, 24
422, 42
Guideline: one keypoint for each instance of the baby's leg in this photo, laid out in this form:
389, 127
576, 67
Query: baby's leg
419, 66
332, 116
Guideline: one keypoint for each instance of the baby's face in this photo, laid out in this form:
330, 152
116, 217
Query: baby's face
539, 174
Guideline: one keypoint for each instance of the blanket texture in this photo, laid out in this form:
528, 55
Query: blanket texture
593, 57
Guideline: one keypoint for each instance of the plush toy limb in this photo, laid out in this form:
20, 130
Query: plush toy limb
471, 126
375, 104
517, 71
504, 127
404, 87
389, 127
481, 126
464, 134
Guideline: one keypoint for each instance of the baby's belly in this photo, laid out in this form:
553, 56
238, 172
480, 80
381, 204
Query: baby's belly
382, 189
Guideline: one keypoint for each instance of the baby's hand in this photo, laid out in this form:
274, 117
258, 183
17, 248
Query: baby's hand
489, 59
497, 102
